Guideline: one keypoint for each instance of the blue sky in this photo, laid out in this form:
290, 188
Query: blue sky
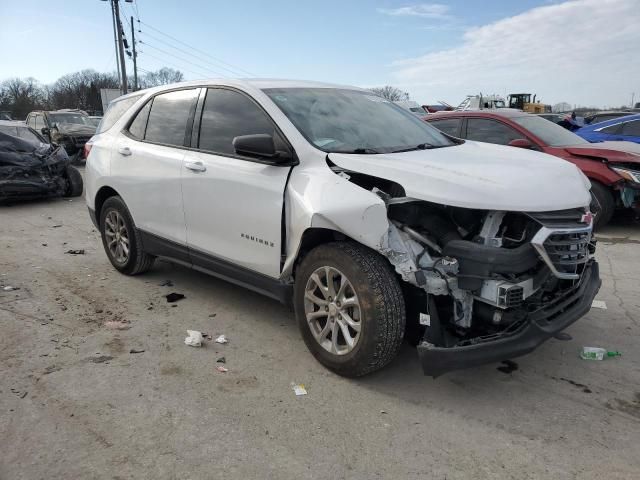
435, 51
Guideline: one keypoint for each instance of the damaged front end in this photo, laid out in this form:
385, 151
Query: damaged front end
27, 172
489, 285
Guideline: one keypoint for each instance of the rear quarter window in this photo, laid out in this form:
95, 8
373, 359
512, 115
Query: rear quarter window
115, 111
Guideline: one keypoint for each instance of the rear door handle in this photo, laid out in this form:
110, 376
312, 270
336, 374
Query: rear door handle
195, 166
125, 151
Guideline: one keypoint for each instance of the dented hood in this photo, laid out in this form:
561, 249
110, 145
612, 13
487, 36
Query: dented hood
611, 151
75, 129
479, 175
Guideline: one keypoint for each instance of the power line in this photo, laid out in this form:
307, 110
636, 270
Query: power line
164, 62
197, 49
182, 59
187, 53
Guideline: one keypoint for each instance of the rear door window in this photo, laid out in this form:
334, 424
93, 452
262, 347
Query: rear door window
631, 128
612, 129
490, 131
168, 117
450, 126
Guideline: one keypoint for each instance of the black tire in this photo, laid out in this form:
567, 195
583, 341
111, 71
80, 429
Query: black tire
137, 261
602, 205
381, 303
75, 183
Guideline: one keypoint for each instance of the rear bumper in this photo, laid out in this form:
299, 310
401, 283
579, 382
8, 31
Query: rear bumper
538, 327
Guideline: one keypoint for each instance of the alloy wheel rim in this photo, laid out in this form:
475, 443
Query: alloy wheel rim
332, 310
117, 236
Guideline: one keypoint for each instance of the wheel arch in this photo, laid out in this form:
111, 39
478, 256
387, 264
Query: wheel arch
102, 195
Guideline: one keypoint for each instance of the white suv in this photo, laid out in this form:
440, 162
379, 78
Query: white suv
375, 225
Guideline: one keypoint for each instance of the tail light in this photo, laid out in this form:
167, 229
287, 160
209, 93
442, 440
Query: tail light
86, 150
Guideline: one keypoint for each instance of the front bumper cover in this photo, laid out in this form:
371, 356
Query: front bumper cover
538, 327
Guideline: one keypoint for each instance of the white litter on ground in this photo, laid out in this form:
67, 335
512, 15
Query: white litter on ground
194, 339
222, 369
299, 389
10, 288
599, 304
222, 339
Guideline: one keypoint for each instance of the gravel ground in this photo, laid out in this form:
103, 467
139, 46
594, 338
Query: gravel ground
76, 403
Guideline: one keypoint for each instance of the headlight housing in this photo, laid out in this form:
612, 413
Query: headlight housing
628, 174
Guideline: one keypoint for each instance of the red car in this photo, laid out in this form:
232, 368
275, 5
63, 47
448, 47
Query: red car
612, 167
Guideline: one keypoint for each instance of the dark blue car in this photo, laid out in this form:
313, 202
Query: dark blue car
622, 128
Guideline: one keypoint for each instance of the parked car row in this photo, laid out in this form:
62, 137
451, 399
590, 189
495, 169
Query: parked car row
613, 168
371, 222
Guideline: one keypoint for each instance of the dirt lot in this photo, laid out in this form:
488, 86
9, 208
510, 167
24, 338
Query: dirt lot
76, 404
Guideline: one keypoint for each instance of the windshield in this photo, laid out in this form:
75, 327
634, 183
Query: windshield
22, 132
351, 121
74, 118
550, 133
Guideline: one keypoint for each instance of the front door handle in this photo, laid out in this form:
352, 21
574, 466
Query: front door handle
125, 151
195, 166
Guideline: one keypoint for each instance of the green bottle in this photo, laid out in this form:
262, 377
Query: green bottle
595, 353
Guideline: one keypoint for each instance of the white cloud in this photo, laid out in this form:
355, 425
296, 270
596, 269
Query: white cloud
579, 51
424, 10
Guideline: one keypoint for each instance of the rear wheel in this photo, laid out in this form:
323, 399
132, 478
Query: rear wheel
121, 240
349, 307
74, 180
602, 204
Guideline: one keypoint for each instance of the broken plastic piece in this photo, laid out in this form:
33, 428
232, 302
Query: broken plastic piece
222, 369
599, 304
136, 350
299, 389
222, 339
75, 252
167, 283
9, 288
174, 297
194, 339
425, 319
221, 360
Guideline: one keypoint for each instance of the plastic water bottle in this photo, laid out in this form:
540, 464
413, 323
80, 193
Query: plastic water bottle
595, 353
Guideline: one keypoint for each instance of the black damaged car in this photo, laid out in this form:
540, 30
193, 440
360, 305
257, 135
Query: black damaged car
28, 171
69, 128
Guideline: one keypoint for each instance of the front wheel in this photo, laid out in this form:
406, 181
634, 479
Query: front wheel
602, 204
74, 182
349, 307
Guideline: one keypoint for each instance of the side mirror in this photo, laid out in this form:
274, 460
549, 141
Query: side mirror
45, 131
259, 145
520, 143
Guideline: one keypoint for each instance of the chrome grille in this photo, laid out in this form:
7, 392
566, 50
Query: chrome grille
565, 251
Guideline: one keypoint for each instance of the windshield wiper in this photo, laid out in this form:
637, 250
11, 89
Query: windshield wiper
421, 146
359, 151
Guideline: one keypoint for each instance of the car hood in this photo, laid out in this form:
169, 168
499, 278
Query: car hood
613, 152
479, 175
75, 129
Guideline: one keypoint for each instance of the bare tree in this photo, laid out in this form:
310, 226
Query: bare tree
390, 93
164, 76
20, 96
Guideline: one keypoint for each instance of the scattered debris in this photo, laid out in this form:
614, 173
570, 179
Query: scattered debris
212, 315
221, 360
584, 388
601, 304
75, 252
135, 350
174, 297
222, 339
384, 412
194, 339
596, 353
24, 394
508, 366
9, 288
299, 389
56, 226
44, 244
117, 325
51, 369
222, 369
563, 336
101, 359
167, 283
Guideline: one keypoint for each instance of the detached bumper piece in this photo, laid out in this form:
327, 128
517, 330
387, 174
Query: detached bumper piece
519, 339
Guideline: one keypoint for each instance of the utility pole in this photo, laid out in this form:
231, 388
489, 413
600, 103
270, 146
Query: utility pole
135, 64
123, 68
115, 37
